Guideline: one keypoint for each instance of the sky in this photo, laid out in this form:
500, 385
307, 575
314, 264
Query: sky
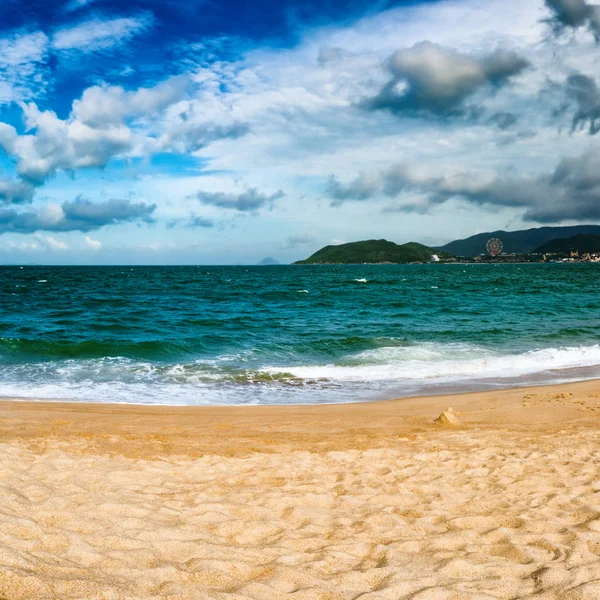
205, 132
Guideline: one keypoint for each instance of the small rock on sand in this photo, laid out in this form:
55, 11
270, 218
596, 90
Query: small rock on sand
448, 417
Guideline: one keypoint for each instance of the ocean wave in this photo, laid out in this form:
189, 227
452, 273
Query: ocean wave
388, 371
449, 362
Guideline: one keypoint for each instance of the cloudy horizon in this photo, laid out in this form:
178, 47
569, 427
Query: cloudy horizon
147, 132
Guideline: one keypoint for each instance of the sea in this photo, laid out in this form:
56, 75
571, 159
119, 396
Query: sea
243, 335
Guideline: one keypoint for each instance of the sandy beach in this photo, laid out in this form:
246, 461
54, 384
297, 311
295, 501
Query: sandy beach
372, 501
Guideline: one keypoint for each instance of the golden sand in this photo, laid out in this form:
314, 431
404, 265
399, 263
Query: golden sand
366, 501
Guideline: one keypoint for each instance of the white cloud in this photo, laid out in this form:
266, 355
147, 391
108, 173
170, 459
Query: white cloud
104, 105
22, 65
99, 34
61, 144
93, 244
22, 246
106, 122
23, 49
51, 243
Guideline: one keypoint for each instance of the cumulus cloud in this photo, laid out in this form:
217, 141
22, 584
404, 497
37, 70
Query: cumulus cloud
61, 144
94, 133
574, 14
15, 192
85, 215
249, 200
79, 215
99, 34
109, 122
571, 192
102, 106
437, 80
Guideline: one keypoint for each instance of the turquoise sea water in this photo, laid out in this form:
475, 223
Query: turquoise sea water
293, 334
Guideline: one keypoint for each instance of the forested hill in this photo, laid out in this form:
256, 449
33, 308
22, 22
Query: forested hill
372, 251
579, 243
517, 242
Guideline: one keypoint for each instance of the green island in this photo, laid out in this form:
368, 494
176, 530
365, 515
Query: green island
374, 252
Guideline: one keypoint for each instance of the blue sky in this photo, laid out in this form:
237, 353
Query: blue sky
161, 132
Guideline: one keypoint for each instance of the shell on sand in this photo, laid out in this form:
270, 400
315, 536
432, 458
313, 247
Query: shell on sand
448, 417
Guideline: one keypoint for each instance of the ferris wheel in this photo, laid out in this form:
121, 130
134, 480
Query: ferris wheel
494, 246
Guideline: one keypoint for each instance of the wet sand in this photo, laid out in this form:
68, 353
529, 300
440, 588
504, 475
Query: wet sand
369, 501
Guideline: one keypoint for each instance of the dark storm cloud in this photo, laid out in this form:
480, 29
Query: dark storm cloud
574, 14
248, 201
584, 91
570, 192
79, 215
437, 80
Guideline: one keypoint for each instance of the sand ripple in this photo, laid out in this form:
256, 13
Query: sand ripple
456, 515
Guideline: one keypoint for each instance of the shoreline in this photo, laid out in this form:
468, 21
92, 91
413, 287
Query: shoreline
444, 392
149, 430
433, 391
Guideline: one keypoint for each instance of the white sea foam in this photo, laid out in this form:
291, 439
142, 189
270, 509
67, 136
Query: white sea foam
447, 362
363, 280
382, 372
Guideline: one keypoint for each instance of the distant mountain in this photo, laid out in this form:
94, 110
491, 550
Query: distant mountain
580, 243
371, 251
265, 262
517, 242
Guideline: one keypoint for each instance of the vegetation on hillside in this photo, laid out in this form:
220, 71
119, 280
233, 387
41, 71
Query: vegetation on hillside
517, 242
578, 243
372, 251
